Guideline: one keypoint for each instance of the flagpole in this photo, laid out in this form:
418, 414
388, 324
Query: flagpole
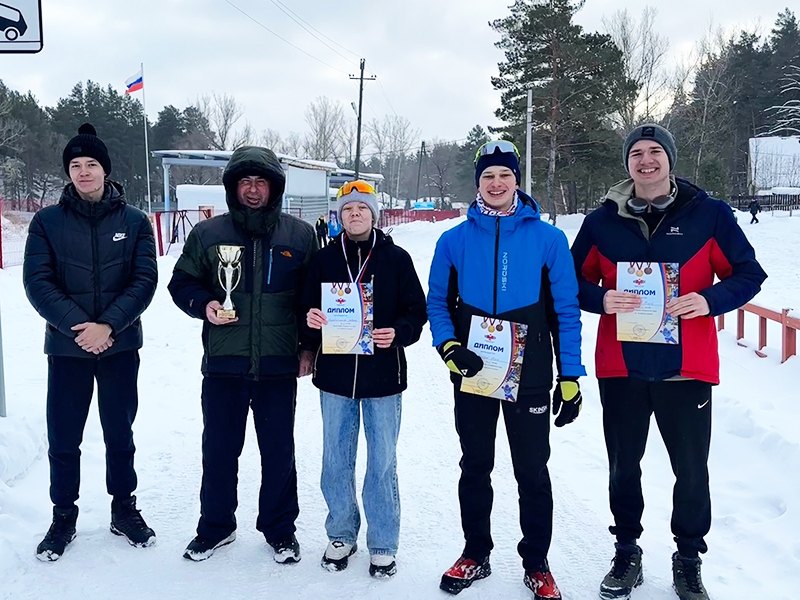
146, 144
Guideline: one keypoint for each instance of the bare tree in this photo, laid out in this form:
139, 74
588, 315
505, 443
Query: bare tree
246, 136
293, 145
442, 159
713, 90
11, 130
377, 135
643, 52
272, 139
787, 115
220, 112
325, 120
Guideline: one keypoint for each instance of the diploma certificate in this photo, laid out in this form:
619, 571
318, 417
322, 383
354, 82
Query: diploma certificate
501, 345
348, 309
657, 284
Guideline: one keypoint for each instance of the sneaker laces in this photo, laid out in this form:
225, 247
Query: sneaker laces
691, 575
621, 564
59, 528
130, 517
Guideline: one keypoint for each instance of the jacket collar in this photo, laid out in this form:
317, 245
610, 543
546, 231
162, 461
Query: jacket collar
527, 208
113, 197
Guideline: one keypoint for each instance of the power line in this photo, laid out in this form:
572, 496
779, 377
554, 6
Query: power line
294, 17
385, 95
314, 28
260, 24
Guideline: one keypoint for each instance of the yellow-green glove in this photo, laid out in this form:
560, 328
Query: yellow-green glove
460, 360
567, 400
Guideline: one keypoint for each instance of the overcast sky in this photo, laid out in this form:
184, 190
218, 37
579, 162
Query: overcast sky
433, 58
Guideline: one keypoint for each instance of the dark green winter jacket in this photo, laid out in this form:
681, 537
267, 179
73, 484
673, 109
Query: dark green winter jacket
275, 252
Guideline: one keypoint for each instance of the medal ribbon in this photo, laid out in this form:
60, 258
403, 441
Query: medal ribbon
363, 265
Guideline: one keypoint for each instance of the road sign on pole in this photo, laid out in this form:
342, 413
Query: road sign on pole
21, 26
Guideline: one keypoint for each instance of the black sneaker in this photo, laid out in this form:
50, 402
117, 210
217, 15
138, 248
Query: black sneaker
201, 548
127, 521
337, 555
382, 566
59, 536
287, 550
461, 575
686, 578
625, 573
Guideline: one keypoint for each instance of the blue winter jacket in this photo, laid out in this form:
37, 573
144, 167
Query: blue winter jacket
516, 268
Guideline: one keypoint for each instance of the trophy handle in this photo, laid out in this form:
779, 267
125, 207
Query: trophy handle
237, 275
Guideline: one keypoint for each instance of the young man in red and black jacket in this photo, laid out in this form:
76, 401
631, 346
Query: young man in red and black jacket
655, 217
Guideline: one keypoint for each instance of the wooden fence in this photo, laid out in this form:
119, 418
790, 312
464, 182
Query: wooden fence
789, 327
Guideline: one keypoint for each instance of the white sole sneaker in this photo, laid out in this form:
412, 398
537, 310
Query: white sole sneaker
337, 555
198, 555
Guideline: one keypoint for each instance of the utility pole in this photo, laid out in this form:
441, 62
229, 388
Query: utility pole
529, 121
419, 168
361, 79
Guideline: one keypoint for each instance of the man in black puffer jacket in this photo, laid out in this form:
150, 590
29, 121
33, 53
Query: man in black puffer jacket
372, 382
250, 359
90, 272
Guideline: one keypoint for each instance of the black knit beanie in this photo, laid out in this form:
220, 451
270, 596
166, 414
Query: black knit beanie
656, 133
498, 158
86, 143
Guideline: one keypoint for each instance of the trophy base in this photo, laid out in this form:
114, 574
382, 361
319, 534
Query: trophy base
223, 313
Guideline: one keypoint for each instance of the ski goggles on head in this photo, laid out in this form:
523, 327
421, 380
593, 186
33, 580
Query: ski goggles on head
357, 185
492, 147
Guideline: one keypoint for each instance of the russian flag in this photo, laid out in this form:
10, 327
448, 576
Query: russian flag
135, 83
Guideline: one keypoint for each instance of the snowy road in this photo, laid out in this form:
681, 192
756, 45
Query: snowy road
754, 542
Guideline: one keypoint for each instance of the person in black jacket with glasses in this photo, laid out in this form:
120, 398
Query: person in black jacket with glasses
90, 272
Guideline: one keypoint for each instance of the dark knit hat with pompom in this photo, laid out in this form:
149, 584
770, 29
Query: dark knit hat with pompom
86, 143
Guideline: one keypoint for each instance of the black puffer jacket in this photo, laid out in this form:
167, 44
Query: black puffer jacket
399, 302
90, 262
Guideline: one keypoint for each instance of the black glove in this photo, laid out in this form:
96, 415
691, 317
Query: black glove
567, 400
460, 360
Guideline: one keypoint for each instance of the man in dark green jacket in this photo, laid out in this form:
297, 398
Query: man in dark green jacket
251, 357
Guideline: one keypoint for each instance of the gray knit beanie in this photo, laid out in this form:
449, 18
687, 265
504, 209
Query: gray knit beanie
370, 200
656, 133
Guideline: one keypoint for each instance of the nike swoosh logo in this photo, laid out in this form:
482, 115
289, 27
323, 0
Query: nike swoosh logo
699, 406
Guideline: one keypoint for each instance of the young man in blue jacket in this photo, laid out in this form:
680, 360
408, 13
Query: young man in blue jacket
652, 218
505, 263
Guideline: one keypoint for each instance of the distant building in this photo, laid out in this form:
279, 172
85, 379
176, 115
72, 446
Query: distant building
774, 163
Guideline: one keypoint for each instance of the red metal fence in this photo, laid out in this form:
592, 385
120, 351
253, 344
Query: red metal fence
789, 327
398, 216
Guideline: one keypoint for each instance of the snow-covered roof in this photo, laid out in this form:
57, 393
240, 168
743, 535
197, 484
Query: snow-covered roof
218, 157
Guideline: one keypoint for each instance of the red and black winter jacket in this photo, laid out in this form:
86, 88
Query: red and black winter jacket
698, 232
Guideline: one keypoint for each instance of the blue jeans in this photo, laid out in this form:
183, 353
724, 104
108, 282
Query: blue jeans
381, 497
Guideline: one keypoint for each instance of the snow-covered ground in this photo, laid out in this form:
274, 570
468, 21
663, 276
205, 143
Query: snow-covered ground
755, 457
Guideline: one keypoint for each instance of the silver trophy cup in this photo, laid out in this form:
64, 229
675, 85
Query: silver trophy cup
229, 273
